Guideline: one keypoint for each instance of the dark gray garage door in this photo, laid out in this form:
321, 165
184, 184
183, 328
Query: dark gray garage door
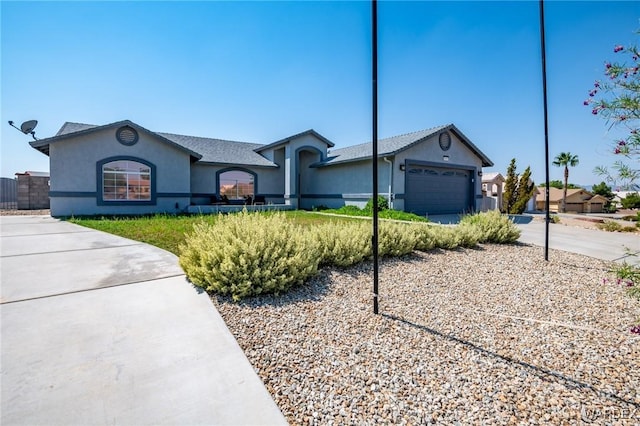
436, 190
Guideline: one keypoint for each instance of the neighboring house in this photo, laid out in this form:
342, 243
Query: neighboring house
492, 190
578, 201
618, 196
33, 190
123, 168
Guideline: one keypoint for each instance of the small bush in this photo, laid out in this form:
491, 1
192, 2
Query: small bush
449, 237
610, 226
490, 227
396, 239
400, 215
554, 218
343, 244
426, 238
382, 214
248, 254
429, 237
383, 204
349, 210
629, 276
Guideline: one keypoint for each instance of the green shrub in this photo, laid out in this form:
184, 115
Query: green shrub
448, 237
248, 254
382, 214
469, 236
610, 226
631, 201
554, 218
349, 210
491, 227
400, 215
396, 239
343, 244
383, 204
628, 276
426, 238
429, 237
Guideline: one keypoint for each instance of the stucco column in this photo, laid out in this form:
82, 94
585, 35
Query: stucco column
290, 176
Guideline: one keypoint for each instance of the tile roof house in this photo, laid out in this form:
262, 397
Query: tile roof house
123, 168
578, 200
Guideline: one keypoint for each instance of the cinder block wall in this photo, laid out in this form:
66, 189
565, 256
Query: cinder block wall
33, 192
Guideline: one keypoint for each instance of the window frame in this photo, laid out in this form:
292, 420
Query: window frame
219, 173
124, 202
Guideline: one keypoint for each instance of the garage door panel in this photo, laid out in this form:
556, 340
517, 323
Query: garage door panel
434, 190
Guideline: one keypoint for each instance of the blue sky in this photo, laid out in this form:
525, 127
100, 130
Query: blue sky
260, 71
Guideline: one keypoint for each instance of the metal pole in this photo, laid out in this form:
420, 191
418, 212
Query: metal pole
547, 218
374, 155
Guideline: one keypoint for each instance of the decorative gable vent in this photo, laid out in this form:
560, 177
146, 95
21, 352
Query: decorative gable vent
127, 135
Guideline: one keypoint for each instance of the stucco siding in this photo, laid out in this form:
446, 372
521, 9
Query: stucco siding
79, 206
459, 156
268, 181
73, 168
344, 184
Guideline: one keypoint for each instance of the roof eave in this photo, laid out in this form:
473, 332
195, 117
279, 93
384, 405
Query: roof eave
290, 138
42, 145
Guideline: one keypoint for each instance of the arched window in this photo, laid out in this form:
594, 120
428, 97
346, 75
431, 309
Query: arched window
236, 184
126, 180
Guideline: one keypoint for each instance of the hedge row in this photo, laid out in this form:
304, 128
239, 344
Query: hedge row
247, 254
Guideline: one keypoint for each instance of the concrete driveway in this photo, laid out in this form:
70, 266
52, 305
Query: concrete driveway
612, 246
98, 329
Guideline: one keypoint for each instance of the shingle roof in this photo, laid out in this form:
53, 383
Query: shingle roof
204, 149
287, 139
222, 151
394, 145
75, 129
219, 151
488, 177
555, 194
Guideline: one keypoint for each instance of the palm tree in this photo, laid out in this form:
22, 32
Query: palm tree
567, 160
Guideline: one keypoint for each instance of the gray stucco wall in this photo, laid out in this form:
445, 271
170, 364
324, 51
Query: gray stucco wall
268, 181
73, 164
344, 184
351, 183
459, 156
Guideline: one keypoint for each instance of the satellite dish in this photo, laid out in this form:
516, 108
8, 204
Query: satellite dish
28, 126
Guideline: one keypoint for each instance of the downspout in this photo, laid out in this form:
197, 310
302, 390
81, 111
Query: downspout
390, 180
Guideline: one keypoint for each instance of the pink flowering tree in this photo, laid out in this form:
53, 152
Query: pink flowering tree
617, 99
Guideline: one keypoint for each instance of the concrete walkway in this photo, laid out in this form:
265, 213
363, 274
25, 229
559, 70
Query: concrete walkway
98, 329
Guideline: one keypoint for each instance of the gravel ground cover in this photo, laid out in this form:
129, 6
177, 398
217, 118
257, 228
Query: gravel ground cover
493, 335
6, 212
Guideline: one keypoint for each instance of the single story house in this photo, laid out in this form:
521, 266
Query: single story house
123, 168
578, 200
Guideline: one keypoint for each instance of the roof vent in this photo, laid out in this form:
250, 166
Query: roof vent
127, 135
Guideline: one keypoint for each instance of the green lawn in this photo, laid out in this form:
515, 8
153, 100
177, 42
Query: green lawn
168, 231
